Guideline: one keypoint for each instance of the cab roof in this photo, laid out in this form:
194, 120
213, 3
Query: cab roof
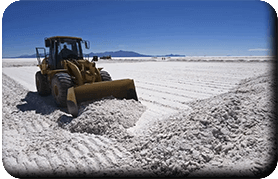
64, 37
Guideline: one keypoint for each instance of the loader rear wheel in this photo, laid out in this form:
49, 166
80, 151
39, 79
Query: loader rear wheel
42, 84
105, 76
59, 86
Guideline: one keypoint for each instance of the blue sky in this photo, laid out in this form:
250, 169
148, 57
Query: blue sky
193, 28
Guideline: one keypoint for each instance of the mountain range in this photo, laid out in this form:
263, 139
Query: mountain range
119, 53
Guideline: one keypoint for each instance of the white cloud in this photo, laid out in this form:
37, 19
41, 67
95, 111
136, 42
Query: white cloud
259, 50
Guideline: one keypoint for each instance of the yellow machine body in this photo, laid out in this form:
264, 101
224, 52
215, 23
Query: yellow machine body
85, 81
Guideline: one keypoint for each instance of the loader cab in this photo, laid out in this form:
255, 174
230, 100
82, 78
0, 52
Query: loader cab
63, 48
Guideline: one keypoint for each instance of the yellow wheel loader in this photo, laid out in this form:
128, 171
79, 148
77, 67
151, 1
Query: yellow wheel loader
72, 79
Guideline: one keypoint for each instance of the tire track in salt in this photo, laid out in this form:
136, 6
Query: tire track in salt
182, 88
186, 85
43, 164
85, 146
103, 159
56, 163
199, 82
68, 163
27, 165
171, 95
89, 151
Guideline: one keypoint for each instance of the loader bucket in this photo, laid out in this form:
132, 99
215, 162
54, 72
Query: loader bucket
118, 88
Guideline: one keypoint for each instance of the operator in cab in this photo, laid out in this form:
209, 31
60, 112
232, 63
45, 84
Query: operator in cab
65, 52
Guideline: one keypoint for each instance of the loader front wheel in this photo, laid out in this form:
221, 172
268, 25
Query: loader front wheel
60, 84
42, 84
105, 76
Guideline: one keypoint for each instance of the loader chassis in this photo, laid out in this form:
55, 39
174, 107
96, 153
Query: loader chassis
71, 79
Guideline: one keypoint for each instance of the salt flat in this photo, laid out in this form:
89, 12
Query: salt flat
23, 75
174, 118
165, 86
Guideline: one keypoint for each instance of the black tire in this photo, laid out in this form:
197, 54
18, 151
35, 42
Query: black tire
105, 76
59, 88
42, 84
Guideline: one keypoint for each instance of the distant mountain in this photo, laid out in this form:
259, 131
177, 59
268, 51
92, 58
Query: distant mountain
170, 55
25, 56
174, 55
122, 53
119, 53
